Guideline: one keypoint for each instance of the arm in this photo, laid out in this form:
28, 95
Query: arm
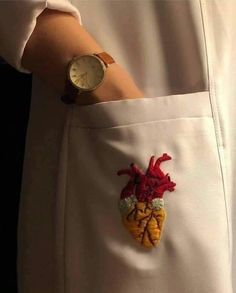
56, 38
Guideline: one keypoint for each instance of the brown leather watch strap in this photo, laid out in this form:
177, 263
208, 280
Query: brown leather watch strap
70, 93
106, 58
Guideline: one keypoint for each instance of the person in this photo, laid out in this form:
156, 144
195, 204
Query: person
162, 117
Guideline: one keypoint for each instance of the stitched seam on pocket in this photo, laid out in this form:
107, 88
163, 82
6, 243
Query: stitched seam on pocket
140, 123
131, 111
67, 132
215, 113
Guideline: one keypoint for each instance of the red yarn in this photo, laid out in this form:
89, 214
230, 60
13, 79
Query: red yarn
149, 185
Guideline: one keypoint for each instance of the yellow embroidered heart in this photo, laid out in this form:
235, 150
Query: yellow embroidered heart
145, 223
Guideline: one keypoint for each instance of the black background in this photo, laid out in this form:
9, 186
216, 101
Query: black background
15, 95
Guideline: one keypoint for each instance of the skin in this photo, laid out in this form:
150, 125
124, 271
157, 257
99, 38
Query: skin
56, 38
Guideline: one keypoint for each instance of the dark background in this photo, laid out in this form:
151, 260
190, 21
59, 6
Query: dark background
15, 98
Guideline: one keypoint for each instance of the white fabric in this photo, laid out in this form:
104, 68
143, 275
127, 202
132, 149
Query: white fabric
195, 230
70, 238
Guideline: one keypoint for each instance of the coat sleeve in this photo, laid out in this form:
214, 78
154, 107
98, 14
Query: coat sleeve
17, 22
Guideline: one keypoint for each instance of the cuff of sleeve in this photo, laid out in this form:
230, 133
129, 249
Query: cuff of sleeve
18, 21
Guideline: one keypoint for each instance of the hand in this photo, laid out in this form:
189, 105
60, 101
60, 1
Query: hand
117, 85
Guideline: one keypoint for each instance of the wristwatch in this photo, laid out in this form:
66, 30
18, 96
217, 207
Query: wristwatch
85, 73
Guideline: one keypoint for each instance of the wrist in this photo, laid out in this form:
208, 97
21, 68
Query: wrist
117, 85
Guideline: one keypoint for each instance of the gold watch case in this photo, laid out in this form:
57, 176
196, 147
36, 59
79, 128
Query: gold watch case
86, 72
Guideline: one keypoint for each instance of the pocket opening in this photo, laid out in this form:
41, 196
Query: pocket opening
132, 111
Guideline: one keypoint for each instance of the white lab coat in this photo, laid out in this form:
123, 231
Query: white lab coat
70, 235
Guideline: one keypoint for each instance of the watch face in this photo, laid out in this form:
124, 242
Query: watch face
86, 72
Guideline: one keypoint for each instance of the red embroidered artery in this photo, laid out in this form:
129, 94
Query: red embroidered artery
141, 201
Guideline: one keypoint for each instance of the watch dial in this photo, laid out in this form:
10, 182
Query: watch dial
86, 72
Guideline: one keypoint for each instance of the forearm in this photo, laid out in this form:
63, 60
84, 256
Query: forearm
56, 39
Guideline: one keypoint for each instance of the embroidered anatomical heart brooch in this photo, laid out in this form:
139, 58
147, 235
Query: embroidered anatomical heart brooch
141, 201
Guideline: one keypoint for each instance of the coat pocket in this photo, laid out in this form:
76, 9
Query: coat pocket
192, 250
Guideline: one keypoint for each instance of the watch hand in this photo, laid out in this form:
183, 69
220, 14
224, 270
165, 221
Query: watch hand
88, 85
84, 76
83, 79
